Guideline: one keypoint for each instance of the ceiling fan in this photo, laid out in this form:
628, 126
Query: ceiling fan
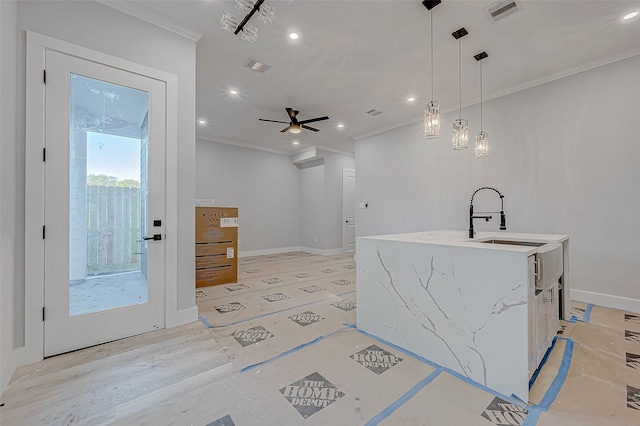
296, 126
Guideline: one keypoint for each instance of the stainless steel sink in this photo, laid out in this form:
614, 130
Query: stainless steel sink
513, 243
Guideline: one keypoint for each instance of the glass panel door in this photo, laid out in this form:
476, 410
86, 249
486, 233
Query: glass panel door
104, 191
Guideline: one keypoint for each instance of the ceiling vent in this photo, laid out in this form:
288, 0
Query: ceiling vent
373, 112
257, 66
502, 9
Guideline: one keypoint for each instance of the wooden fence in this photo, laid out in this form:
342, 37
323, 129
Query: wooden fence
113, 229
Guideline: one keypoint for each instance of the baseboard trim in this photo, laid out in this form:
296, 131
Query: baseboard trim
606, 300
267, 251
183, 316
10, 367
329, 252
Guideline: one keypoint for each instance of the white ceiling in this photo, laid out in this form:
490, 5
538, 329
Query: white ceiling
354, 56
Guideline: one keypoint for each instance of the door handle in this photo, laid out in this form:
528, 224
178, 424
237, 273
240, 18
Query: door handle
156, 237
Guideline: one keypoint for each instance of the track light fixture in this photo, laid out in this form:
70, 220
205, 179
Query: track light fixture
266, 14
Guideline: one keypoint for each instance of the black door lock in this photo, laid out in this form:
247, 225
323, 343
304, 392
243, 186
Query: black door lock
156, 237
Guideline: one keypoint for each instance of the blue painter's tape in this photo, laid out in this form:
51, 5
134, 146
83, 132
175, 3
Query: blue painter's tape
276, 312
403, 399
290, 351
204, 321
552, 393
543, 362
558, 382
587, 313
513, 399
532, 417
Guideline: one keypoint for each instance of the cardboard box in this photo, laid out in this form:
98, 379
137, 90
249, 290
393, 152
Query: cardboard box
216, 245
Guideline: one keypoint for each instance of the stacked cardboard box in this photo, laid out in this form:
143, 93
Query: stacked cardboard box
216, 245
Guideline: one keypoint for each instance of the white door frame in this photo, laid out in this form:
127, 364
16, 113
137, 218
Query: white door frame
37, 44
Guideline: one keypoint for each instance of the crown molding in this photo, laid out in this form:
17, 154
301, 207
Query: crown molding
144, 14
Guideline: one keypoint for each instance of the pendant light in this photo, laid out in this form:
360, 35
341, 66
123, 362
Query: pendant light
431, 109
460, 126
482, 138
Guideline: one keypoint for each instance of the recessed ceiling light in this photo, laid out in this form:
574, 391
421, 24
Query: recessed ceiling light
293, 36
340, 125
630, 15
411, 99
202, 122
296, 143
233, 92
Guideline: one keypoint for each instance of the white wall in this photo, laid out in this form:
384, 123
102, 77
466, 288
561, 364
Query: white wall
565, 155
263, 185
312, 206
11, 198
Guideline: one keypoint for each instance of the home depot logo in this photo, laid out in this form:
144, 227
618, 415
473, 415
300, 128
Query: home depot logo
229, 307
275, 297
302, 275
312, 289
345, 305
305, 318
633, 397
252, 335
634, 319
311, 394
376, 359
236, 287
633, 361
631, 336
503, 413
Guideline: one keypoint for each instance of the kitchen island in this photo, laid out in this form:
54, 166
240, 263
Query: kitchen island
469, 305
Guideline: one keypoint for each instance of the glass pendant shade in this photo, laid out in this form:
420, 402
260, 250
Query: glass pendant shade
460, 134
482, 144
432, 120
228, 22
249, 33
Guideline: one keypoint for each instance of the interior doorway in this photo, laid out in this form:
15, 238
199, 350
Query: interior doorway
349, 210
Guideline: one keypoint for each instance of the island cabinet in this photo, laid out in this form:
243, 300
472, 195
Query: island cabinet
544, 317
486, 307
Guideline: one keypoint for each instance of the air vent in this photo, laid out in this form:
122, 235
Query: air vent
374, 112
502, 9
257, 66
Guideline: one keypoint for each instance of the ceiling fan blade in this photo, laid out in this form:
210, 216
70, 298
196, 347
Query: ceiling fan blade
304, 126
292, 114
273, 121
285, 129
311, 120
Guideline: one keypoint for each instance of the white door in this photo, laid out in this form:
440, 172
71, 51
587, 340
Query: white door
104, 193
349, 210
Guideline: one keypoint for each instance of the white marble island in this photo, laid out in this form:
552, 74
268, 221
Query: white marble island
461, 303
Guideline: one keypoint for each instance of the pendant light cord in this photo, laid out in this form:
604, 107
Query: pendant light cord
480, 95
431, 28
460, 79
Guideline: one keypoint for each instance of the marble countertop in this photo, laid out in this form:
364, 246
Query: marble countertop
461, 239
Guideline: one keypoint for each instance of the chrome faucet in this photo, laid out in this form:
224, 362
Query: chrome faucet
503, 217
